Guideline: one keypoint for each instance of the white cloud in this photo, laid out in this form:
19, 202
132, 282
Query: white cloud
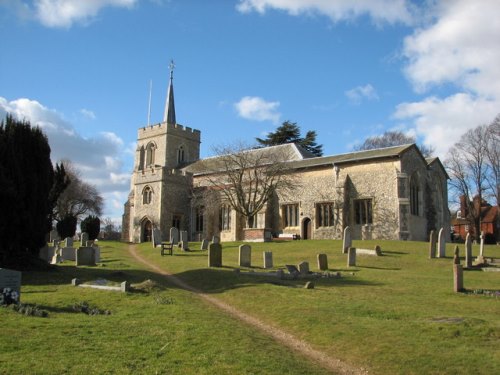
64, 13
381, 11
87, 113
257, 109
99, 159
441, 122
357, 94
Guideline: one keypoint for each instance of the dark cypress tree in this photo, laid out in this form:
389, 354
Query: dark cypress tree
92, 225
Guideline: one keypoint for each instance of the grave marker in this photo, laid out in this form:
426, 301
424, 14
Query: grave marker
322, 262
245, 256
85, 256
432, 244
347, 241
84, 238
11, 280
458, 278
468, 251
268, 259
214, 255
174, 235
456, 256
215, 239
204, 244
156, 237
303, 268
351, 257
441, 244
184, 236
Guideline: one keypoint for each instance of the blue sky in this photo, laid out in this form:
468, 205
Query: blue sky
81, 70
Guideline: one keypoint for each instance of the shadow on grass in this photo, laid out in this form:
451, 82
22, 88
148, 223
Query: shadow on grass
381, 268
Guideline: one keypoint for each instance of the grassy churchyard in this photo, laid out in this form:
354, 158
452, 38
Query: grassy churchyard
394, 314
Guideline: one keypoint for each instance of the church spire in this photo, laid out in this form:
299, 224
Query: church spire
169, 115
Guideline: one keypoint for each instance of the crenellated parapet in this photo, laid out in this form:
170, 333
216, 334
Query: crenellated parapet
163, 128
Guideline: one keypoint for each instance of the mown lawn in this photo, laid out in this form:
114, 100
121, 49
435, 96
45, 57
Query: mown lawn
165, 331
391, 314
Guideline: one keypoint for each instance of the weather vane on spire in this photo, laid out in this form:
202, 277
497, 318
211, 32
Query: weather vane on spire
171, 67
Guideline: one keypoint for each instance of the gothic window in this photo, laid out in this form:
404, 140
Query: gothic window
199, 219
363, 211
324, 214
180, 155
225, 217
290, 215
415, 196
141, 158
147, 194
150, 154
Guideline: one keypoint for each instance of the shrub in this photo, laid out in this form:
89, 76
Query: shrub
91, 225
66, 227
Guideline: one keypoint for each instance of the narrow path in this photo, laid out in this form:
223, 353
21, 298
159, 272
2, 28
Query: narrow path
333, 364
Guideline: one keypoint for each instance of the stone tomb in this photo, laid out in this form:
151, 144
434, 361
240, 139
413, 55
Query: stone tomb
245, 256
322, 262
174, 235
214, 255
347, 240
204, 245
376, 252
268, 259
10, 279
85, 256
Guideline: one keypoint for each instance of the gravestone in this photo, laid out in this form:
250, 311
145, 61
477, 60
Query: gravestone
309, 285
303, 268
268, 259
458, 278
468, 251
56, 258
84, 238
245, 256
54, 236
156, 237
441, 244
214, 255
85, 256
456, 256
174, 235
347, 241
480, 259
292, 270
11, 280
68, 242
97, 254
184, 245
351, 257
68, 253
204, 244
322, 262
184, 236
378, 251
432, 244
215, 239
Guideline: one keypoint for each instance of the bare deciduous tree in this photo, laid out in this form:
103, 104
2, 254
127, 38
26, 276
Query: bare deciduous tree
247, 178
393, 138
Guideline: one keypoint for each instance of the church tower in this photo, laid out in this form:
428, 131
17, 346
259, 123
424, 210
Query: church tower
160, 190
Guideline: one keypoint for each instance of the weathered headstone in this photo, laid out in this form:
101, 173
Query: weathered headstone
184, 245
309, 285
214, 255
85, 256
125, 286
68, 253
322, 262
10, 282
468, 251
456, 256
54, 236
441, 244
432, 244
156, 237
204, 244
174, 235
84, 238
268, 259
215, 239
480, 259
351, 257
97, 253
347, 240
184, 235
68, 242
458, 278
56, 258
245, 256
378, 251
303, 268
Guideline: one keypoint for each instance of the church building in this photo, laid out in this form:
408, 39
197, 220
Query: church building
389, 193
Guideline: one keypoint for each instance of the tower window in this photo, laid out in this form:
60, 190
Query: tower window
147, 195
150, 154
180, 155
141, 158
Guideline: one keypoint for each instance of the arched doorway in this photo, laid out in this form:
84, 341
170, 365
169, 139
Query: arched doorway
146, 230
306, 228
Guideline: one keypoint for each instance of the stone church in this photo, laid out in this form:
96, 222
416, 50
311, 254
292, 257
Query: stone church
389, 193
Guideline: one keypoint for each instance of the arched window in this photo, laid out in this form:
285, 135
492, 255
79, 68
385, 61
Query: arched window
150, 154
141, 158
180, 155
147, 195
415, 195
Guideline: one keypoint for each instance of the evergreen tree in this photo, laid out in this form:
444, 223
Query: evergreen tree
91, 225
289, 132
26, 177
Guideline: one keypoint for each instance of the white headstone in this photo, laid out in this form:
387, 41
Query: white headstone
347, 241
174, 235
184, 236
245, 256
441, 244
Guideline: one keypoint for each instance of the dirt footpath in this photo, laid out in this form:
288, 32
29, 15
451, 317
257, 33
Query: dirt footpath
333, 364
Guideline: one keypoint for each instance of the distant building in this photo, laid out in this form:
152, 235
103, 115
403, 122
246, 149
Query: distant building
390, 193
462, 225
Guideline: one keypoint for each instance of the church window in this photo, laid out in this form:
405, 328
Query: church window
324, 214
291, 215
225, 217
141, 158
147, 195
415, 197
199, 219
363, 211
180, 155
150, 154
